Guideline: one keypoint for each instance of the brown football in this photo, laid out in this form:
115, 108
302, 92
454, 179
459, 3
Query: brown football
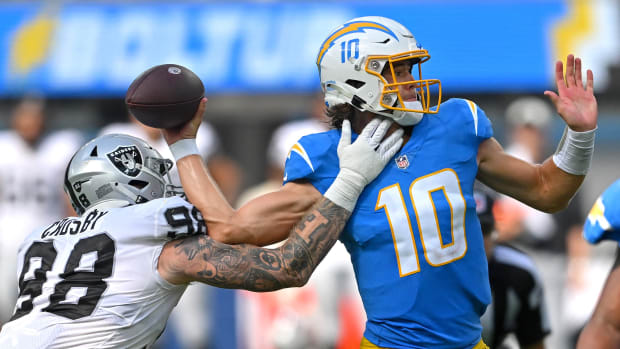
165, 96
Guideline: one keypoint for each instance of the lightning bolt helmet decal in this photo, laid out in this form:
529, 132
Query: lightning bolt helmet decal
348, 28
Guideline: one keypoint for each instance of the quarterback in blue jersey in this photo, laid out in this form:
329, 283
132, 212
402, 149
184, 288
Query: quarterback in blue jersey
603, 223
414, 238
414, 231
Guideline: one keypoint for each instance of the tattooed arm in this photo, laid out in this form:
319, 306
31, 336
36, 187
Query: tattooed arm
200, 258
258, 269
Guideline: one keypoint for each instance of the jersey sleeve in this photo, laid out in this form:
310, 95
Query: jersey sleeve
314, 158
479, 121
603, 222
178, 218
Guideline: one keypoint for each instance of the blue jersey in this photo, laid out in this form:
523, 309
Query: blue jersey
414, 236
603, 221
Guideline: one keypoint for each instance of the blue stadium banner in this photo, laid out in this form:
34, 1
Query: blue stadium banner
96, 49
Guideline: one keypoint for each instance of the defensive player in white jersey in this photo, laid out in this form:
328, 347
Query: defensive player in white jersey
110, 277
196, 297
32, 163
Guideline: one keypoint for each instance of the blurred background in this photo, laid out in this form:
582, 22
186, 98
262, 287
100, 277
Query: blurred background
65, 67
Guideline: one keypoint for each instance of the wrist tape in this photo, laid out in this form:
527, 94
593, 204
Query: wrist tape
345, 189
575, 151
183, 148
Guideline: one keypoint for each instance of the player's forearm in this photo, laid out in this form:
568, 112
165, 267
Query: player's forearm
202, 191
557, 187
262, 221
543, 186
566, 169
603, 328
311, 240
271, 217
252, 268
599, 335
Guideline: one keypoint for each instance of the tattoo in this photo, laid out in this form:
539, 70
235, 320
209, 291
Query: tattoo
262, 269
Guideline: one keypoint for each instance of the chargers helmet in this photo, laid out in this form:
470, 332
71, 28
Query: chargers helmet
116, 169
351, 61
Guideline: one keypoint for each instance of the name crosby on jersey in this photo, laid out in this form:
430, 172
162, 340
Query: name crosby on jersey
74, 225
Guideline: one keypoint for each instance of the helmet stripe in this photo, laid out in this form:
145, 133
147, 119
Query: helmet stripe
350, 28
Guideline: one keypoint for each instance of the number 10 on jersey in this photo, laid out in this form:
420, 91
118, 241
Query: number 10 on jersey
436, 252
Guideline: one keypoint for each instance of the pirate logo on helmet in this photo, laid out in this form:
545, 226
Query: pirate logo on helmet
127, 159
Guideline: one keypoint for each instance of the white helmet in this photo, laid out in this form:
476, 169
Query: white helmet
351, 61
116, 169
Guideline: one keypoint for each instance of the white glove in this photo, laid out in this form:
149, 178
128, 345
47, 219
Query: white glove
362, 161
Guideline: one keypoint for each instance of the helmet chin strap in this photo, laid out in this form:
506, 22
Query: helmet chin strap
174, 190
408, 118
401, 117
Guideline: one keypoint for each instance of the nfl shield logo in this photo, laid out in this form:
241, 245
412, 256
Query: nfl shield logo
127, 159
402, 162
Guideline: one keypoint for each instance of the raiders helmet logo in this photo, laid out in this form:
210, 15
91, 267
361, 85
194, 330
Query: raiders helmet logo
127, 159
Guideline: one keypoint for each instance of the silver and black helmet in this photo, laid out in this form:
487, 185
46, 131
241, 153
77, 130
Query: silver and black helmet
115, 169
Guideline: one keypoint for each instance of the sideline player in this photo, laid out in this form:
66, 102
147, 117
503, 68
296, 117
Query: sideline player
518, 304
603, 223
33, 160
414, 238
110, 277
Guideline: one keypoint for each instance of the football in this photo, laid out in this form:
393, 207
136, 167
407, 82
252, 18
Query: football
165, 96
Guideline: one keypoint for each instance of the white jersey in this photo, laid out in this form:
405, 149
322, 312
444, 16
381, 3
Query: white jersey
92, 281
31, 191
31, 195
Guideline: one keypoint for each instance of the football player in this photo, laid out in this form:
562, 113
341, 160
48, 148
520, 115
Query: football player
603, 223
196, 297
414, 237
110, 277
33, 160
